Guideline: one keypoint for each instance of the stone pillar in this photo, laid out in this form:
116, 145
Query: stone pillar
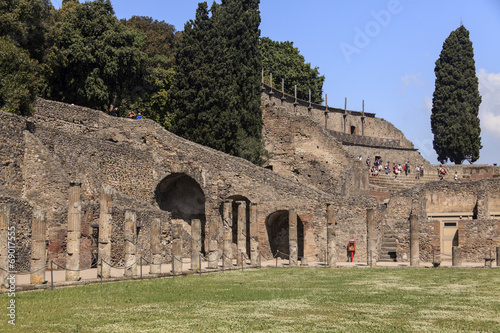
371, 237
292, 237
414, 241
195, 244
38, 247
498, 256
176, 249
213, 241
330, 236
4, 248
363, 120
254, 235
74, 232
105, 223
130, 244
155, 233
241, 243
456, 256
227, 256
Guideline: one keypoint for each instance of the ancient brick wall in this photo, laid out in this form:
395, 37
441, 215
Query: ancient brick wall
308, 142
465, 204
61, 143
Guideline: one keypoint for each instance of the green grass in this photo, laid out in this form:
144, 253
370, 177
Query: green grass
273, 300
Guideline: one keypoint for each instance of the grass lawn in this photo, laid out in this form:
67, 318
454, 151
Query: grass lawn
272, 300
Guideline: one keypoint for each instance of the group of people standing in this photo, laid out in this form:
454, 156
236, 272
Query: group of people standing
396, 169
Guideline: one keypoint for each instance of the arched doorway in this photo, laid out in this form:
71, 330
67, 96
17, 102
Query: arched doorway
183, 197
277, 234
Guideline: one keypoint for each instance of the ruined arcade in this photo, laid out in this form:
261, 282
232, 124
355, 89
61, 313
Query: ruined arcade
84, 189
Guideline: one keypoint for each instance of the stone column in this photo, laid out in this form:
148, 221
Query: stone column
4, 248
195, 244
498, 256
130, 244
155, 233
292, 237
176, 249
213, 241
330, 236
345, 115
371, 237
456, 256
414, 241
227, 256
254, 235
241, 243
38, 247
105, 223
74, 232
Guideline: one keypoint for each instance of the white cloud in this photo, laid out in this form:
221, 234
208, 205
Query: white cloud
428, 104
489, 110
411, 79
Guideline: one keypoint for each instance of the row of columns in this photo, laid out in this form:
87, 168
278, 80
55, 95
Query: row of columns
241, 234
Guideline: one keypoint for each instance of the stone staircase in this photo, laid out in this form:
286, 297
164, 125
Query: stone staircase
388, 247
402, 182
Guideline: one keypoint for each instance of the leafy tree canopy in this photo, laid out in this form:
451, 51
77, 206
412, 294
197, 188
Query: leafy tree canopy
284, 61
217, 88
18, 79
26, 22
456, 100
92, 59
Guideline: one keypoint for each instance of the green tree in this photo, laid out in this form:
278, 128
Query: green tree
217, 89
284, 61
26, 23
159, 45
456, 100
93, 59
18, 79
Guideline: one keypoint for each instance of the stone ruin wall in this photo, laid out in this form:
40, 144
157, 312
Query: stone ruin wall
474, 206
63, 143
288, 120
304, 151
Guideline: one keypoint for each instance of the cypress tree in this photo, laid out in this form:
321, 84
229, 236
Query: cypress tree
456, 99
217, 91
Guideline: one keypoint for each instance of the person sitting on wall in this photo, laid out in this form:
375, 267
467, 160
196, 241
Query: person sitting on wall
131, 114
139, 116
456, 176
442, 172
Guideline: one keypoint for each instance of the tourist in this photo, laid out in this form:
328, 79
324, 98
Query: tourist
442, 172
139, 116
417, 171
131, 115
456, 176
114, 112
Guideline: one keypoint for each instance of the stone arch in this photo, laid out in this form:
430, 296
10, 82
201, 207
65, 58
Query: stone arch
277, 234
184, 198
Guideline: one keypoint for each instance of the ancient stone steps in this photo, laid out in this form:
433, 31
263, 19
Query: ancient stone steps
388, 247
400, 183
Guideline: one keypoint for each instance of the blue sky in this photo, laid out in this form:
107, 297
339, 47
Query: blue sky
382, 51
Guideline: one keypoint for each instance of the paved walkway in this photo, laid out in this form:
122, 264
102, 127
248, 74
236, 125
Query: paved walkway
89, 276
